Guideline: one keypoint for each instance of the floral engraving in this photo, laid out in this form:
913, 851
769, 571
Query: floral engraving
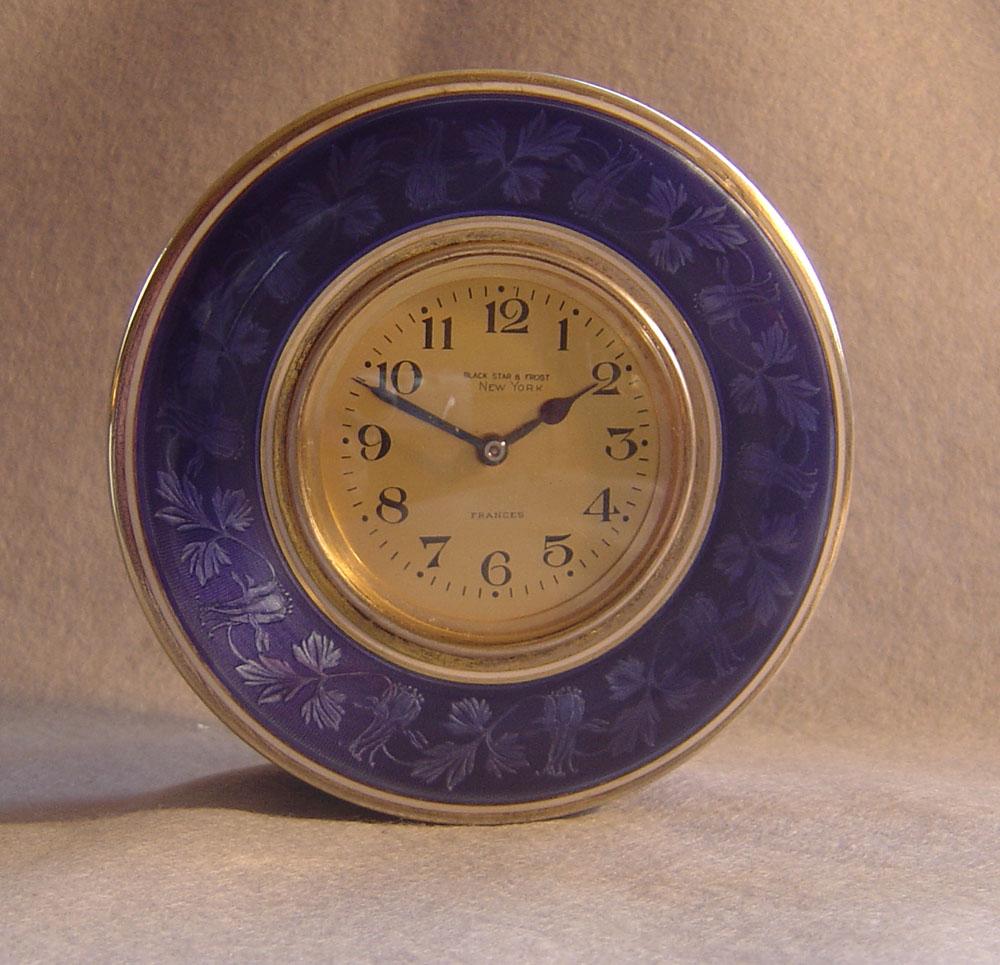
762, 466
184, 509
277, 680
792, 392
725, 303
522, 169
760, 559
427, 177
654, 692
599, 191
685, 226
564, 720
471, 723
340, 203
392, 713
686, 241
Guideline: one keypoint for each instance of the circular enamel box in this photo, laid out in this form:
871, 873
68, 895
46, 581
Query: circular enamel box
479, 446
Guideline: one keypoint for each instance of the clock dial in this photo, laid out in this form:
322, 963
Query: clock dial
485, 451
488, 456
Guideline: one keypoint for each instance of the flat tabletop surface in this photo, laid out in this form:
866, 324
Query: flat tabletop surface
162, 839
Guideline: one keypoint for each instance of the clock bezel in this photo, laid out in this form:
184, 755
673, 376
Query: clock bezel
688, 427
148, 580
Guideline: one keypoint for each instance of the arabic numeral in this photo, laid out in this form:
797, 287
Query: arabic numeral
440, 542
607, 373
623, 445
375, 442
557, 553
602, 507
512, 315
404, 377
495, 570
563, 334
392, 506
429, 329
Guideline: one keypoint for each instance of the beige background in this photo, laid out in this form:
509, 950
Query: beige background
850, 813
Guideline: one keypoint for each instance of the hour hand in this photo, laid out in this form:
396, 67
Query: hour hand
551, 412
405, 405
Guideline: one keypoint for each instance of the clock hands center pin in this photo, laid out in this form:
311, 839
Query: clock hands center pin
491, 449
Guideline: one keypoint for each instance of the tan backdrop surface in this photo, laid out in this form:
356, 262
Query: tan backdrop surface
850, 814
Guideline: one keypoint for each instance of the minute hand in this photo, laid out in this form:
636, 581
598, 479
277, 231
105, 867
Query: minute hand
551, 412
404, 405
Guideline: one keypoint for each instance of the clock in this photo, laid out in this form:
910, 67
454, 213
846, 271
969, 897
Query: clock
479, 446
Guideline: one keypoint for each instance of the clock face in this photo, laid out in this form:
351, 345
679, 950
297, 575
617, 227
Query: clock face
484, 451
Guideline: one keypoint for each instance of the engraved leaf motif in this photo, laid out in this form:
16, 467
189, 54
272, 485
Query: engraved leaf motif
538, 142
487, 143
232, 510
184, 508
454, 762
761, 560
792, 391
765, 585
357, 216
248, 341
544, 141
524, 183
276, 678
670, 252
626, 678
707, 227
792, 394
205, 559
469, 717
351, 169
325, 708
732, 556
763, 467
280, 681
339, 204
505, 755
685, 226
636, 723
665, 198
317, 652
749, 393
778, 534
639, 722
427, 176
774, 347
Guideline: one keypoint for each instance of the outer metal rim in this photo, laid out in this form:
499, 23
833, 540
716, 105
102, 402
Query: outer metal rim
158, 286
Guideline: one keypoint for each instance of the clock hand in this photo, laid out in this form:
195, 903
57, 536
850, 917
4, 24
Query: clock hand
404, 405
551, 412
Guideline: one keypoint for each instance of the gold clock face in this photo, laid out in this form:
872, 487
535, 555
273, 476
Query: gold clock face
485, 451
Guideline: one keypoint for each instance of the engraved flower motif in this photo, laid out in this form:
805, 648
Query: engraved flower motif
392, 713
562, 720
426, 178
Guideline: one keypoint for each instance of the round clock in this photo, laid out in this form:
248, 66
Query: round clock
479, 445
